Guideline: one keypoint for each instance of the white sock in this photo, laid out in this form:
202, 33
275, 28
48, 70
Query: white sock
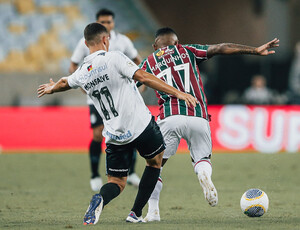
203, 166
153, 202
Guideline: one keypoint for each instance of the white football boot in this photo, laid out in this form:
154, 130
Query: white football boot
152, 216
209, 190
96, 183
132, 218
133, 179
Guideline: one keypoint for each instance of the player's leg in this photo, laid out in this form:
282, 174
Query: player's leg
118, 160
198, 137
95, 148
150, 145
109, 191
133, 178
169, 128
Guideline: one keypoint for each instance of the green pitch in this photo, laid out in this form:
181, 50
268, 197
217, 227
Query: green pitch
49, 191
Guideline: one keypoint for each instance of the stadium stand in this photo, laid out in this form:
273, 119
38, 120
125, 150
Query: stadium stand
39, 35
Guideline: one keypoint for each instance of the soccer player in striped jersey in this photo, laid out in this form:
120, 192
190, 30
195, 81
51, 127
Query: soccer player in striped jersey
177, 65
108, 79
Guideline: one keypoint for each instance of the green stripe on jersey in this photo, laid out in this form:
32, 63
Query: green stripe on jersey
194, 67
197, 46
182, 103
178, 61
167, 99
197, 76
167, 105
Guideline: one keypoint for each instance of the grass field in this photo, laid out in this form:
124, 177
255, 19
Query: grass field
51, 191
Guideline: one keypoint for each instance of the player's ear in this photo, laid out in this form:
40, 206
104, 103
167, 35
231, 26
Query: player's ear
154, 46
86, 43
105, 41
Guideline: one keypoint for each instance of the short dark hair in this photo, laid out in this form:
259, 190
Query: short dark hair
92, 30
164, 31
105, 12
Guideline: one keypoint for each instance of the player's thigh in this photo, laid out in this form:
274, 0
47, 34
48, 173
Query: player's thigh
118, 159
171, 130
150, 142
198, 138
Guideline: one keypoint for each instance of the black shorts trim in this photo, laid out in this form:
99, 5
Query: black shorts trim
95, 118
159, 150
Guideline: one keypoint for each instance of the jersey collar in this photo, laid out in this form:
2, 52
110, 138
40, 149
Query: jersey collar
91, 56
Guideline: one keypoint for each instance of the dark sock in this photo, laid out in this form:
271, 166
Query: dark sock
146, 187
109, 191
95, 151
132, 167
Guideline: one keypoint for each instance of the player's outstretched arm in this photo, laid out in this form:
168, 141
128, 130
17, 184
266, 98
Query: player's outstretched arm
159, 85
52, 87
230, 48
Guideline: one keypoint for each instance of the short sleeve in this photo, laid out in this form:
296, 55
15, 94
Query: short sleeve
73, 81
130, 51
124, 65
80, 52
200, 51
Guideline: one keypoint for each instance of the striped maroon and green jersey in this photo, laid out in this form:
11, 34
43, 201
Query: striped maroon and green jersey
177, 66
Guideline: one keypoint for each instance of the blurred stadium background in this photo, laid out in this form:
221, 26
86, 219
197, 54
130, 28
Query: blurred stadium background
37, 38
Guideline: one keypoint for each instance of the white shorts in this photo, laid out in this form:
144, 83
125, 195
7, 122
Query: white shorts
196, 132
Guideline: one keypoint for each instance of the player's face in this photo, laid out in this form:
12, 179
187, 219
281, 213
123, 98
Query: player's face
165, 40
107, 21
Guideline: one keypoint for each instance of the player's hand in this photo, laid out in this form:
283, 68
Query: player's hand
45, 88
188, 98
264, 49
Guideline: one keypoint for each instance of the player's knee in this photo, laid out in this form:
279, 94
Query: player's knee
155, 162
97, 133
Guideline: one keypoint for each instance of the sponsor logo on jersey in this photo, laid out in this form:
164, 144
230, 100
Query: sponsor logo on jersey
163, 53
92, 72
119, 137
130, 64
160, 53
89, 68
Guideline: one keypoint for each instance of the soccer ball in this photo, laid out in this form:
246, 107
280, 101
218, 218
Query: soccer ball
254, 202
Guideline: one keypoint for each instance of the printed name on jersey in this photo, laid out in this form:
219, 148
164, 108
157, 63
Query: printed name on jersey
167, 61
92, 72
120, 137
89, 68
96, 81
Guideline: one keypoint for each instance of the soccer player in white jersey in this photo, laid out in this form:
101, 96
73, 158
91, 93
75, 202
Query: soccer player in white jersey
177, 65
108, 79
118, 42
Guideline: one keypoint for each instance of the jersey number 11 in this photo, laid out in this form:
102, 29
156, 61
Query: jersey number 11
104, 91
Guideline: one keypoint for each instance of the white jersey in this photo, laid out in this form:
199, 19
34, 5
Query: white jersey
107, 78
117, 42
